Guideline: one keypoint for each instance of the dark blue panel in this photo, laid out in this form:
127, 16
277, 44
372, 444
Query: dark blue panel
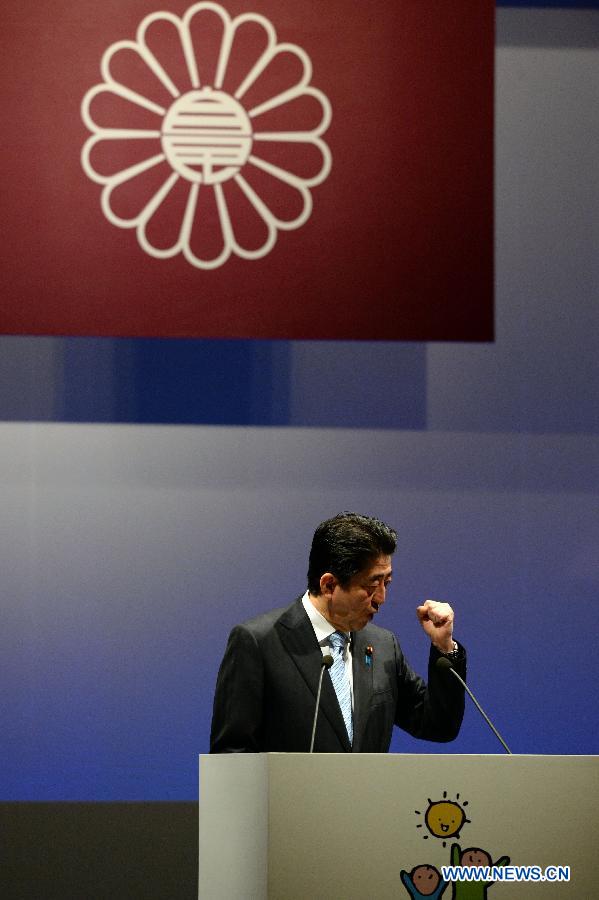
213, 382
551, 4
183, 381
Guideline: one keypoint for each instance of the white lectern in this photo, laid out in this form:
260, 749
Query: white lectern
372, 826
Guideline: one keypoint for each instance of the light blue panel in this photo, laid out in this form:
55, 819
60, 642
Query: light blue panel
542, 373
141, 546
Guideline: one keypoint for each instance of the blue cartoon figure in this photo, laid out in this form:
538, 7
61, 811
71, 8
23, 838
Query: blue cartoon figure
423, 881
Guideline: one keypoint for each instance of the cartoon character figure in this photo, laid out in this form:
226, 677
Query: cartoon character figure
472, 856
423, 881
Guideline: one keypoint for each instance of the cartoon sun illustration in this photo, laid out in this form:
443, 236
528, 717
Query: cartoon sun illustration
444, 818
206, 135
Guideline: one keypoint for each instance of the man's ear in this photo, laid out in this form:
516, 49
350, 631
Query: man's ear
328, 583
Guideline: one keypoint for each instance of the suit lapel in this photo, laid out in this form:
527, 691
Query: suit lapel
362, 675
298, 638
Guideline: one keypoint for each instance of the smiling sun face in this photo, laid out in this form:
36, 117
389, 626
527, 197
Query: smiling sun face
444, 818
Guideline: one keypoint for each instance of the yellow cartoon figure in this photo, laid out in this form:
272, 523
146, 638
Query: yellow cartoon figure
444, 818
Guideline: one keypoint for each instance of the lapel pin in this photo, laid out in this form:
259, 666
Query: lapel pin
368, 655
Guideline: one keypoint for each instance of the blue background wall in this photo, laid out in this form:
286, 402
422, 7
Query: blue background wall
156, 492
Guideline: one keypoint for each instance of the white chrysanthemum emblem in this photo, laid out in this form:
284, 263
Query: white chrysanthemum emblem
206, 135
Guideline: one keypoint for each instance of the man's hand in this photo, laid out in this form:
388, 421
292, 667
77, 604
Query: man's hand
437, 620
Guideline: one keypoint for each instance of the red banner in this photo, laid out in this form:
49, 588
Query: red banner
256, 170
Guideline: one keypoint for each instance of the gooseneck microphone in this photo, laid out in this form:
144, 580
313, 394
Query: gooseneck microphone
444, 663
327, 662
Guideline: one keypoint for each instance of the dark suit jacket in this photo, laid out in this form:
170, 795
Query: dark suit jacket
267, 684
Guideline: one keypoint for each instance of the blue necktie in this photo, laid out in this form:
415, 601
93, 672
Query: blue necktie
340, 680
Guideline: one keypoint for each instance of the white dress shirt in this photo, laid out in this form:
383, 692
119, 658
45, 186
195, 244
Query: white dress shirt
323, 631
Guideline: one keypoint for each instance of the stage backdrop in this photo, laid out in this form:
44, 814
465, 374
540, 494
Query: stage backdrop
130, 543
264, 169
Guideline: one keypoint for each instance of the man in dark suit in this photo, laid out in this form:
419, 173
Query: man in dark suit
267, 683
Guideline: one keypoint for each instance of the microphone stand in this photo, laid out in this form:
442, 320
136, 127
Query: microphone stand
327, 662
444, 663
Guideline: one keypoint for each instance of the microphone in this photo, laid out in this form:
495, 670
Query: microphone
444, 663
326, 663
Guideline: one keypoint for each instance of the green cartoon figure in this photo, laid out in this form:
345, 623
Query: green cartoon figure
472, 856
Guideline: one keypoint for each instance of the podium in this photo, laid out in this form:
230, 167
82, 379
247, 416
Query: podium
296, 826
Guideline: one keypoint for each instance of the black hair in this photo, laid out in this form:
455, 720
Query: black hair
346, 545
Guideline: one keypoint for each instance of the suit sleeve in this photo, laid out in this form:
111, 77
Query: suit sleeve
238, 698
432, 711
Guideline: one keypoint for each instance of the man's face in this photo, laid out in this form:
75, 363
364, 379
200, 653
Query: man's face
350, 608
